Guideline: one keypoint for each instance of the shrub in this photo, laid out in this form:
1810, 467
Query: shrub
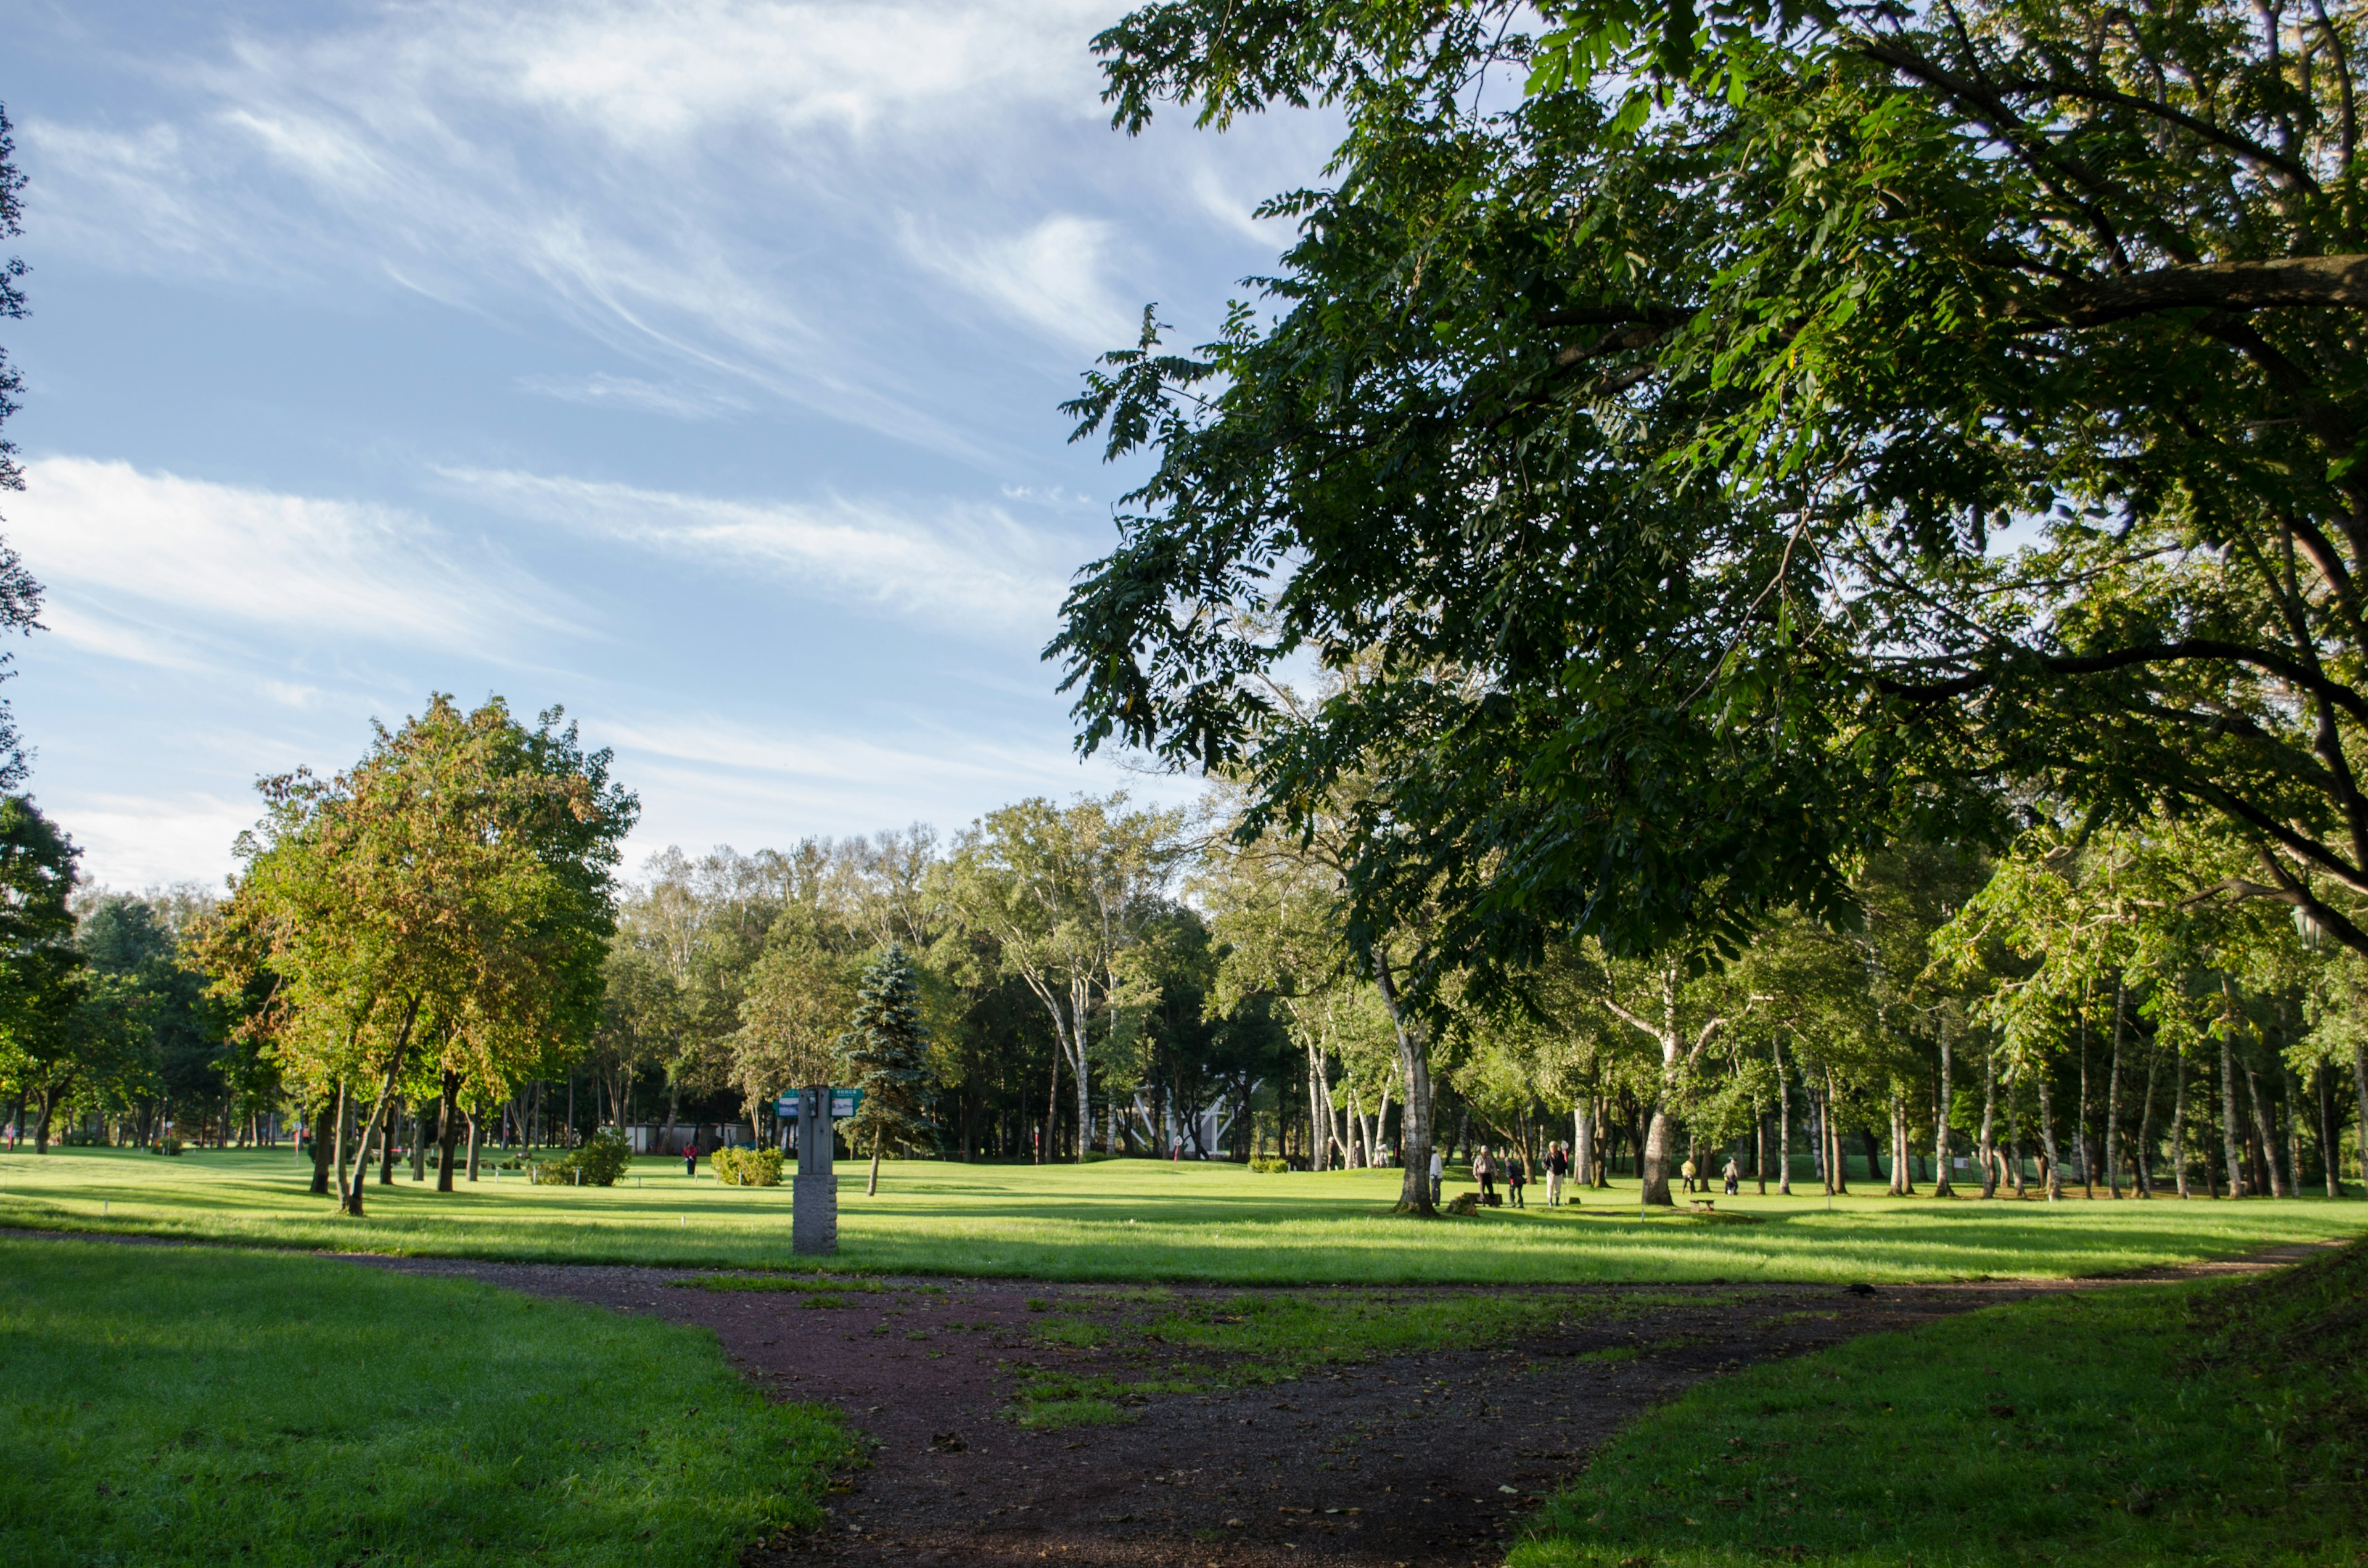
1269, 1165
603, 1159
748, 1167
597, 1163
168, 1145
78, 1138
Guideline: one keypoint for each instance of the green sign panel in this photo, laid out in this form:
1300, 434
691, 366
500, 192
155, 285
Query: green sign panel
842, 1105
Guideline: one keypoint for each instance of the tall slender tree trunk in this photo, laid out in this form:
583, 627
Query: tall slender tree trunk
2142, 1162
1836, 1152
2330, 1147
1783, 1126
2113, 1092
1046, 1152
472, 1143
325, 1118
1943, 1107
2265, 1128
1989, 1143
2179, 1118
448, 1129
2047, 1136
1080, 1006
345, 1200
2082, 1144
2228, 1139
1414, 1065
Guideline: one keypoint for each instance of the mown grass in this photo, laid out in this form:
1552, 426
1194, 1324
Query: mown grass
1143, 1220
177, 1406
2140, 1425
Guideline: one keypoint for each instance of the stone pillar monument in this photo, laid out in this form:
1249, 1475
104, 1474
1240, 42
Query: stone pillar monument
813, 1196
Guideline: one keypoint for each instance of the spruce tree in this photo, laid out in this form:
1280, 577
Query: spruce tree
885, 1053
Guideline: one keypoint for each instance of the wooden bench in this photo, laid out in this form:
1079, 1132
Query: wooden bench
1705, 1205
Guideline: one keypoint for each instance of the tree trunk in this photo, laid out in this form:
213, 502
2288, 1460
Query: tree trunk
2113, 1092
473, 1143
2266, 1130
2330, 1148
2179, 1118
871, 1188
2142, 1161
345, 1198
1989, 1143
2228, 1139
418, 1144
1080, 1004
448, 1129
1045, 1150
2086, 1145
1414, 1064
2047, 1136
324, 1117
1941, 1151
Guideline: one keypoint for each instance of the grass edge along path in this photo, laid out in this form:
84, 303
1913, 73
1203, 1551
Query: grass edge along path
185, 1405
2190, 1423
1142, 1220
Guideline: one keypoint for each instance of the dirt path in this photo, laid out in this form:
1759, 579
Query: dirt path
1410, 1461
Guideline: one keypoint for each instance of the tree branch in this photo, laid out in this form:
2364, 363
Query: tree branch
2339, 282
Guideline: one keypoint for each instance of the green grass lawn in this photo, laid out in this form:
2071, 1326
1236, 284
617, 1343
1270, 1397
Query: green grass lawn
171, 1405
2138, 1426
1146, 1220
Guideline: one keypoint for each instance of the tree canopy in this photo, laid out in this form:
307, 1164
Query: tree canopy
1726, 436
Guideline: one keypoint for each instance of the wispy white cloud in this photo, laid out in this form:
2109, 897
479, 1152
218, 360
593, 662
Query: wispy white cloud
125, 552
656, 174
1050, 278
133, 841
955, 563
601, 390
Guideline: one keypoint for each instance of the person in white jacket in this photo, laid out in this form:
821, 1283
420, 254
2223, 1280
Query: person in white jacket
1438, 1171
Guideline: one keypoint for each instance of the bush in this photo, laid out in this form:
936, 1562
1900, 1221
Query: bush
76, 1138
1269, 1165
748, 1167
597, 1164
168, 1145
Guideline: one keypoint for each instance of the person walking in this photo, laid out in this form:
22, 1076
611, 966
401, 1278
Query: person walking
1517, 1177
1687, 1171
691, 1158
1734, 1178
1484, 1171
1557, 1166
1437, 1173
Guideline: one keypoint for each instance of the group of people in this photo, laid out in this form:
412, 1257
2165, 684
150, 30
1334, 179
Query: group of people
1488, 1167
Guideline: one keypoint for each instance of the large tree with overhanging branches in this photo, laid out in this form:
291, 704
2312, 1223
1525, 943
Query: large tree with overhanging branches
1722, 435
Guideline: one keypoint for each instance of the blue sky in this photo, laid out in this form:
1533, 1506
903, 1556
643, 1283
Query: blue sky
692, 365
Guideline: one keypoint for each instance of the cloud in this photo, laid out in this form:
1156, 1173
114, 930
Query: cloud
1048, 278
103, 533
132, 841
959, 562
709, 185
601, 390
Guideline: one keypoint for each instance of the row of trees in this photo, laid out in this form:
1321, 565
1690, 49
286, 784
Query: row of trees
438, 935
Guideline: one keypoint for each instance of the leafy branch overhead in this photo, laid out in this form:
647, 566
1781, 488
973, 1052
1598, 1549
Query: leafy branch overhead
1727, 438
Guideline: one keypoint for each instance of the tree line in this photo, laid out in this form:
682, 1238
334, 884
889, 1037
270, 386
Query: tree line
437, 945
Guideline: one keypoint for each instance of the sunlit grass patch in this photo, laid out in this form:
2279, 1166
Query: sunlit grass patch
169, 1405
1144, 1221
2139, 1426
